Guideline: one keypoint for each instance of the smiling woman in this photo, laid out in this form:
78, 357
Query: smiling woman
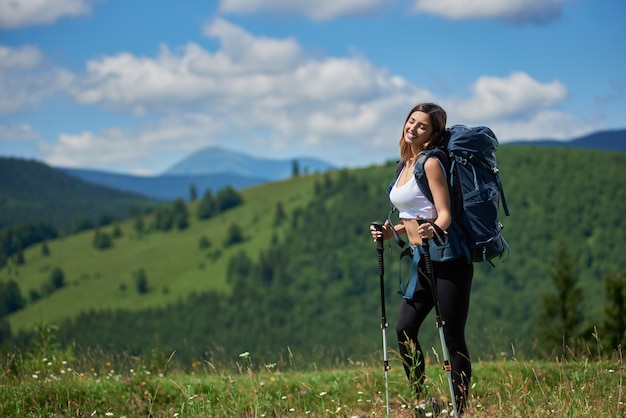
443, 285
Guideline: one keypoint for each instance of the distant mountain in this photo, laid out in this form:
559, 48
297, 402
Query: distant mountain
165, 187
214, 168
211, 168
605, 141
33, 192
213, 160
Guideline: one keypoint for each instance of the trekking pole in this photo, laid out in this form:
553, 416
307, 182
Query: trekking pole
383, 322
439, 322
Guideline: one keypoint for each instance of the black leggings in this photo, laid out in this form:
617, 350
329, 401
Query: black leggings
454, 280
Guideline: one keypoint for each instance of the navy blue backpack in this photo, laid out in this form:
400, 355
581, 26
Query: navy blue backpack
468, 156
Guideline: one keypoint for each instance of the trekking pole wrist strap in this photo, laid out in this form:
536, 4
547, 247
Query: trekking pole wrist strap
440, 237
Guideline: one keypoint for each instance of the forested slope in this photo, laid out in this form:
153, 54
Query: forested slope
32, 192
313, 287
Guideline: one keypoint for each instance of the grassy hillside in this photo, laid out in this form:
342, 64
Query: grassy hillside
32, 192
173, 262
313, 280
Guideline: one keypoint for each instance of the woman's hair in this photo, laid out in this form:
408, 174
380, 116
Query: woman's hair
438, 119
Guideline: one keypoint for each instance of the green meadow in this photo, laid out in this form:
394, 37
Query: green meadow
64, 384
285, 321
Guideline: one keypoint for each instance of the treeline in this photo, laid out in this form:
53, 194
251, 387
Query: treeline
315, 289
14, 240
164, 218
31, 192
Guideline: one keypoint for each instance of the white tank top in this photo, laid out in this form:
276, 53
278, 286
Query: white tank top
411, 202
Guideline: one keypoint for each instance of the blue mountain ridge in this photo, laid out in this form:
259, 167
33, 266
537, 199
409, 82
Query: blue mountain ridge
214, 168
165, 187
605, 140
211, 168
213, 160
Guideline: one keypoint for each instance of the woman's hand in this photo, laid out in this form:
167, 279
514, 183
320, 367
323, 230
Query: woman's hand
384, 233
425, 230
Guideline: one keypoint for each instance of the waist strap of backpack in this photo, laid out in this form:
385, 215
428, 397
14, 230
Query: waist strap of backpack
415, 252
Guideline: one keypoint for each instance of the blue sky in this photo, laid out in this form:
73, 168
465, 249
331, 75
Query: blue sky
136, 86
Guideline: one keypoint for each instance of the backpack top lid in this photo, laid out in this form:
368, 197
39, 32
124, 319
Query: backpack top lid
475, 144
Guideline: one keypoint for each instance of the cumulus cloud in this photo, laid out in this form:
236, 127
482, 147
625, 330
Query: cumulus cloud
132, 150
245, 67
320, 10
518, 107
265, 86
518, 94
17, 132
544, 124
24, 79
511, 11
19, 13
23, 58
265, 95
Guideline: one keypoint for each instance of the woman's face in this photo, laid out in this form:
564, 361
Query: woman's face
417, 128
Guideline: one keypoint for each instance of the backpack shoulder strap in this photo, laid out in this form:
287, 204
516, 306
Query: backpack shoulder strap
399, 167
420, 171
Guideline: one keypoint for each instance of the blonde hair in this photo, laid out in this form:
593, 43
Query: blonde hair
438, 119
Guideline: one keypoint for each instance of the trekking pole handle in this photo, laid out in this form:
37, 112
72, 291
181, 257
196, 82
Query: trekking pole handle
429, 266
378, 225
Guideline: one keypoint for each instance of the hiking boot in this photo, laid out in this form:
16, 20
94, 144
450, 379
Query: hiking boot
430, 408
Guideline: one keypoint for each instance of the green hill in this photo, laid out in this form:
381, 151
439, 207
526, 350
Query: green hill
305, 275
173, 262
32, 192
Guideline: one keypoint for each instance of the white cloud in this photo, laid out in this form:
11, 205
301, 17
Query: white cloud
250, 81
545, 124
290, 104
20, 13
497, 98
24, 79
242, 52
17, 132
512, 11
319, 10
267, 90
24, 58
135, 150
245, 68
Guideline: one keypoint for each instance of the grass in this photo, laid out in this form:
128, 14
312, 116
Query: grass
63, 384
173, 262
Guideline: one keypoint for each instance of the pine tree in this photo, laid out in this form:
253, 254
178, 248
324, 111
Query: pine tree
279, 214
11, 299
45, 250
614, 324
207, 206
560, 316
141, 281
235, 235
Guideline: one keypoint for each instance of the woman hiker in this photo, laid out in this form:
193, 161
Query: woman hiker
423, 129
